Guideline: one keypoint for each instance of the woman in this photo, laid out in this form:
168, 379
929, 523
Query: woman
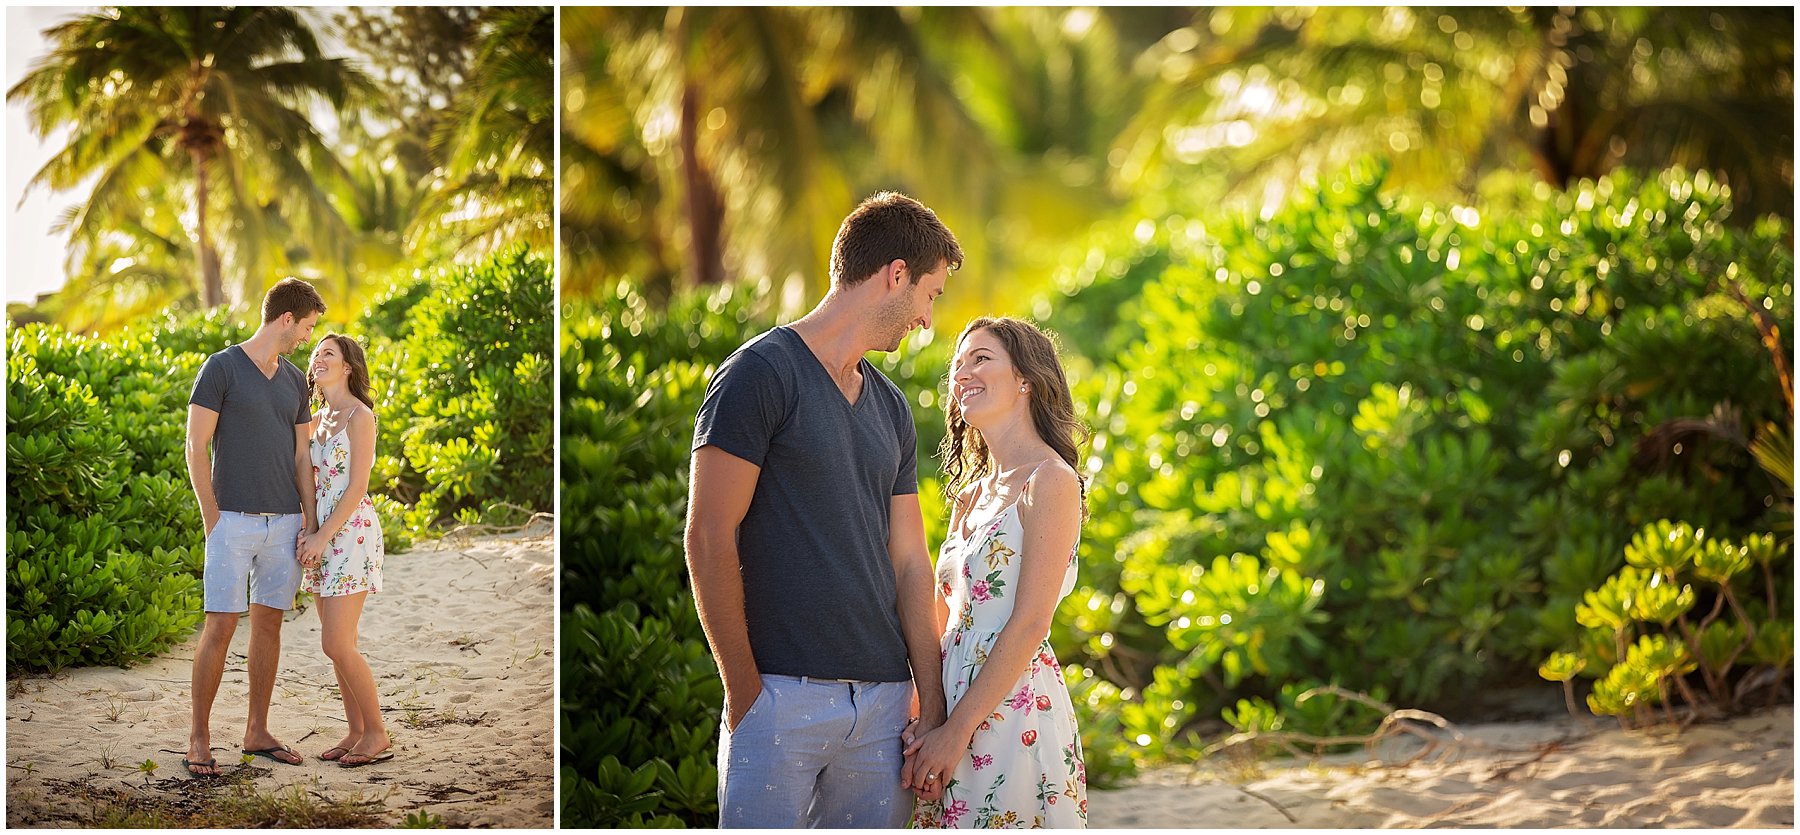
1009, 754
342, 559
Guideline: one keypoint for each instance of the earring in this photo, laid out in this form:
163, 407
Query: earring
1021, 387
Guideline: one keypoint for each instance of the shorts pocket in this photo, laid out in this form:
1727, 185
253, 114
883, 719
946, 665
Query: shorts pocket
762, 705
219, 527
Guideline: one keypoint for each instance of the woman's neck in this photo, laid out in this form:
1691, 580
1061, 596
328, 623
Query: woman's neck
1013, 445
338, 397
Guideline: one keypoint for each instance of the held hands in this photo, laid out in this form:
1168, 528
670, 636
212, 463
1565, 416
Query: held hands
932, 752
310, 548
931, 760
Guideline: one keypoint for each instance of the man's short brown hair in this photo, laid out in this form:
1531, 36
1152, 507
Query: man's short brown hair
291, 295
887, 226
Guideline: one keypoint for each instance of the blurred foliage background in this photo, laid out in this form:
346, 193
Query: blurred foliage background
1429, 351
408, 179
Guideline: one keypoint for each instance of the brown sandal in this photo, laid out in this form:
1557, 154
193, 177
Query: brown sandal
330, 757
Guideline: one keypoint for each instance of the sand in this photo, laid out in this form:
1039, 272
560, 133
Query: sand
460, 641
1738, 773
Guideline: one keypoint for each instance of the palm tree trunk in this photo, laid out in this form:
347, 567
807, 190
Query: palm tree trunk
706, 214
212, 291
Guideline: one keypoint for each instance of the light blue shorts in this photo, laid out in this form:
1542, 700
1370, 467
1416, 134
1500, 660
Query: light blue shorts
817, 753
250, 559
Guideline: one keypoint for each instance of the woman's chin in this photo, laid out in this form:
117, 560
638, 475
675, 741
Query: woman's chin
979, 421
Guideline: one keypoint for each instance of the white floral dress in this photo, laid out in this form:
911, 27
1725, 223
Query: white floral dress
352, 561
1024, 766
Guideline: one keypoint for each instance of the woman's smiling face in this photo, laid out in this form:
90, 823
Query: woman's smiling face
327, 364
983, 381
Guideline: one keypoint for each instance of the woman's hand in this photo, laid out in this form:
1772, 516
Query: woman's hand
940, 750
311, 549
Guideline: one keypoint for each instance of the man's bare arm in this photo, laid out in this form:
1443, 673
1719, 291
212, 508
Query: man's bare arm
917, 604
720, 488
201, 424
303, 478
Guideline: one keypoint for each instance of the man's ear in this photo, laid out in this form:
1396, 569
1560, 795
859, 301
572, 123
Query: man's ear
897, 271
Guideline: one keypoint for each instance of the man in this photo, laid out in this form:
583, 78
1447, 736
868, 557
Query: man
807, 546
250, 407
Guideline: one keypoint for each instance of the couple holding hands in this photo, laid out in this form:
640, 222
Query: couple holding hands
280, 463
863, 688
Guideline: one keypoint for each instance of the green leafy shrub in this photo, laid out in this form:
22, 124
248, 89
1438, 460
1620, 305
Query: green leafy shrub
100, 527
1646, 632
1418, 431
641, 694
465, 390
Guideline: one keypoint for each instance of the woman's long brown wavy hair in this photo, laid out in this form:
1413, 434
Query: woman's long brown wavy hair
355, 363
1034, 357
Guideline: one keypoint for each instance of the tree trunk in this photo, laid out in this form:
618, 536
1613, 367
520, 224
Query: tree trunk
705, 210
212, 290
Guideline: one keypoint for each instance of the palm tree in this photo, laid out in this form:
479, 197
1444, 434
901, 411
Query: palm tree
498, 144
708, 143
748, 128
140, 266
221, 97
1449, 95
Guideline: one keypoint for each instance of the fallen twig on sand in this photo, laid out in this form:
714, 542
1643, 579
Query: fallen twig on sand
1396, 722
1271, 801
461, 534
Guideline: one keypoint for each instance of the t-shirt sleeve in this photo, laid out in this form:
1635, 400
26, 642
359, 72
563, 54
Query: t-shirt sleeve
906, 479
743, 409
210, 386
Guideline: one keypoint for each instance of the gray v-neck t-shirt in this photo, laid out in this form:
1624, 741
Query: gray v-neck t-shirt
253, 446
819, 591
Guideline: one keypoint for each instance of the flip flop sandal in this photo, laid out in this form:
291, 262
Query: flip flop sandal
366, 759
270, 753
330, 757
189, 765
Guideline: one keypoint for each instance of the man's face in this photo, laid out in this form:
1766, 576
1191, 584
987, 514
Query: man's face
301, 331
911, 308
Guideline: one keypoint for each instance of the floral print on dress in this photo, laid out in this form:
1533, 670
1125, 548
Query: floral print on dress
353, 558
1024, 765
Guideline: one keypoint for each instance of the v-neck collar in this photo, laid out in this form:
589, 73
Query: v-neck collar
252, 360
863, 367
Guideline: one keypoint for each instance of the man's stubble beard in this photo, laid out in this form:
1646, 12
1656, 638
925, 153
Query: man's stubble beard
895, 319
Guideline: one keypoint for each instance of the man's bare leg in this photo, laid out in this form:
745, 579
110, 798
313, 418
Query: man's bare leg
209, 668
265, 659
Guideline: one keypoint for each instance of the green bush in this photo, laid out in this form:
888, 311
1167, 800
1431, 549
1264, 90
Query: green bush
640, 692
1646, 634
1416, 431
101, 530
466, 389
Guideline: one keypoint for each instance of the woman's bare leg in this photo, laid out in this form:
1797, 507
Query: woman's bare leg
339, 617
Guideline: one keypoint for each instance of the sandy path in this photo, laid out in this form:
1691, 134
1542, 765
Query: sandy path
1734, 774
461, 644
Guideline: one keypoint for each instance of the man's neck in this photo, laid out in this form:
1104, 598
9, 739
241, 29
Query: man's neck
833, 331
263, 346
